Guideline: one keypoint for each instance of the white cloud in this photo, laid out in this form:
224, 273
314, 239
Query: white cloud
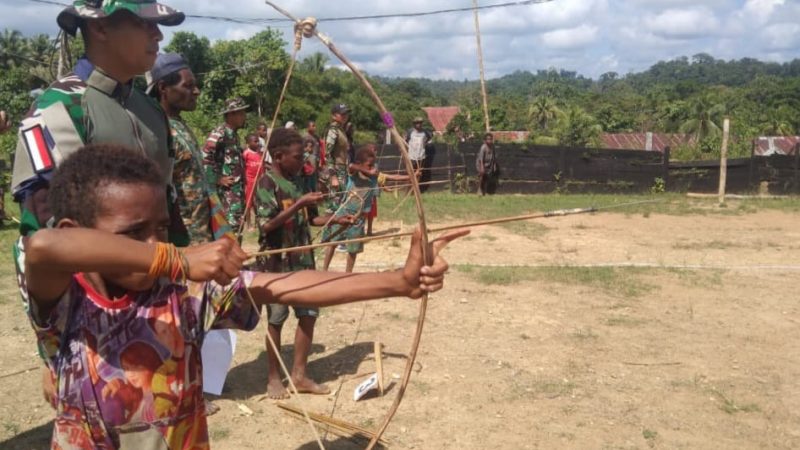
570, 38
589, 36
683, 23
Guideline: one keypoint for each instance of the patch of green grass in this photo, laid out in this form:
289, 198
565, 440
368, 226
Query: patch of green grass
731, 407
624, 321
554, 388
528, 229
447, 207
218, 434
421, 386
613, 280
650, 436
713, 245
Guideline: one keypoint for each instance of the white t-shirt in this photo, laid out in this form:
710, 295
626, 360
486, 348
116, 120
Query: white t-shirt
417, 140
263, 144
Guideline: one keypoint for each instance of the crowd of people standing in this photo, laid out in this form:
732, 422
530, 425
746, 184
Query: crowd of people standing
121, 291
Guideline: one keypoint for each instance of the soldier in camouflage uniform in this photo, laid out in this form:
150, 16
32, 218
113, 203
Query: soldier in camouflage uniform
173, 84
333, 177
223, 161
91, 106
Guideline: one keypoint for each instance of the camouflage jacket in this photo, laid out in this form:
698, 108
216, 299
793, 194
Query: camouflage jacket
189, 179
87, 106
222, 157
336, 147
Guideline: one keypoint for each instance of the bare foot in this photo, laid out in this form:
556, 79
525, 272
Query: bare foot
276, 391
308, 386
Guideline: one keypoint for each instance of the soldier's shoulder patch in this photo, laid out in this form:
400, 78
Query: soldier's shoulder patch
39, 143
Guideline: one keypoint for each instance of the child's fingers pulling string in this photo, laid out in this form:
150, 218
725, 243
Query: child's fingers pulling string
220, 261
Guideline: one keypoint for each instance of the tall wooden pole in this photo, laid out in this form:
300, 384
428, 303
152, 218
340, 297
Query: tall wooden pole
480, 64
723, 160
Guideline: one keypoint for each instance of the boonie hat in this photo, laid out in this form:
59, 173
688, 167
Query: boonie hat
418, 119
166, 64
70, 18
340, 108
235, 104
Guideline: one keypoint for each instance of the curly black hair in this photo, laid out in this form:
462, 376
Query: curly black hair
76, 184
365, 151
281, 139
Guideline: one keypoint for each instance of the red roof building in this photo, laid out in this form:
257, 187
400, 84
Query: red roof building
441, 116
777, 145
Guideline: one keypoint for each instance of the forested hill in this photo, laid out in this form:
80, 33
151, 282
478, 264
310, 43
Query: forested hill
701, 70
687, 95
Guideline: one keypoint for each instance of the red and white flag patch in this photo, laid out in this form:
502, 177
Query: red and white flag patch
38, 149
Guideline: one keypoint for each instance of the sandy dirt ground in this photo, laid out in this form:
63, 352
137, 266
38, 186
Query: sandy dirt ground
692, 340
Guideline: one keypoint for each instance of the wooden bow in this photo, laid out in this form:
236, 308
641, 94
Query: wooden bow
426, 254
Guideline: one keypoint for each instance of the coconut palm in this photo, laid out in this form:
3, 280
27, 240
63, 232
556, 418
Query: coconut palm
703, 117
542, 113
12, 49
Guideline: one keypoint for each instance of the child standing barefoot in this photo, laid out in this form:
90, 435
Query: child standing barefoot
283, 213
121, 315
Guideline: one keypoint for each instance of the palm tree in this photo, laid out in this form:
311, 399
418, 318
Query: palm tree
542, 113
578, 129
702, 119
39, 48
777, 122
12, 49
315, 63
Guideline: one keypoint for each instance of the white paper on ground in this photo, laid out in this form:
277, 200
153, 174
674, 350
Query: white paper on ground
217, 354
368, 385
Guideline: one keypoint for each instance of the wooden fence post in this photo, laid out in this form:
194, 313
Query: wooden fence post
665, 167
752, 163
797, 168
723, 160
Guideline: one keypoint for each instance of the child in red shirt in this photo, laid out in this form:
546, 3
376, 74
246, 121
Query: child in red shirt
253, 158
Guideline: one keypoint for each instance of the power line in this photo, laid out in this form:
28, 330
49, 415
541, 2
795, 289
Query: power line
267, 20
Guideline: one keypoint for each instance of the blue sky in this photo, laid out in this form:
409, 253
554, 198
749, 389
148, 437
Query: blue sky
589, 36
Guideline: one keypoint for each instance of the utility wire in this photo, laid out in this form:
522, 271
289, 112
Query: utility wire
263, 20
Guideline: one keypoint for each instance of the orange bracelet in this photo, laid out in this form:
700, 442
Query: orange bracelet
160, 265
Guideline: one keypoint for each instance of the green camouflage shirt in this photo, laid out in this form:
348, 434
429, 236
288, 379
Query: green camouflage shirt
189, 179
222, 157
273, 195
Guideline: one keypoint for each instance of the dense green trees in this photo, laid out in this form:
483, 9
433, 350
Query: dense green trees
689, 94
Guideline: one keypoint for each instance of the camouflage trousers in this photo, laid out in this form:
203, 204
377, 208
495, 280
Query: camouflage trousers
233, 203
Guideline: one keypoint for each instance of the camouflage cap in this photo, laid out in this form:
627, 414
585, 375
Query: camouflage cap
235, 104
70, 18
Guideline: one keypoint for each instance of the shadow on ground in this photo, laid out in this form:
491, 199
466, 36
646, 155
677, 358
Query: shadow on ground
249, 379
33, 439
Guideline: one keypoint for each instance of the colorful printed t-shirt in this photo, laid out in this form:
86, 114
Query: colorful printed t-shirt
273, 195
129, 371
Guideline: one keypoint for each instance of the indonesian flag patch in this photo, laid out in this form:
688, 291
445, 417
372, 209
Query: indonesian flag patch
38, 144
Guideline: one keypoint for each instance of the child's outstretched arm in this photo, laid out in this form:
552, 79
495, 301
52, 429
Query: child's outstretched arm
320, 289
52, 256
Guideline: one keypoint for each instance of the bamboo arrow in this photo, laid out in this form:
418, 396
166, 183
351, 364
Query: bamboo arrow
544, 215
